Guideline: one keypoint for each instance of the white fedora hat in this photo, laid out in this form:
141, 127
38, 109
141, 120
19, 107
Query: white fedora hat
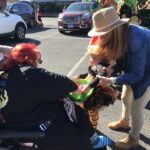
105, 20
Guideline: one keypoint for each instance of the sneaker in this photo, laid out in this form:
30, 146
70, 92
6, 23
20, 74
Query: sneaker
101, 141
119, 124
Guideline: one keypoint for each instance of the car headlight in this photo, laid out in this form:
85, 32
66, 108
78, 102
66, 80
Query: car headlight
60, 17
85, 16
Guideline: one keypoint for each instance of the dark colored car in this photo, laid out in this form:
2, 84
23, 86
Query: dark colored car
25, 10
77, 17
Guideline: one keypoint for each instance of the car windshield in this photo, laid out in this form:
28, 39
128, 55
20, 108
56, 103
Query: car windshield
79, 7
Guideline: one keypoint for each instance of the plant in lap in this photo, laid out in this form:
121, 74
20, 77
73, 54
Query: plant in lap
78, 96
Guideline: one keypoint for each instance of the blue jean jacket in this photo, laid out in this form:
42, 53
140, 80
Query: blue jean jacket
137, 70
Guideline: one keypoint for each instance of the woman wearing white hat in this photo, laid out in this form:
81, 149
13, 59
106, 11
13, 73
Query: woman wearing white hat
129, 46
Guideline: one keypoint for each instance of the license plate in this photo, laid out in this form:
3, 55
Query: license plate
70, 26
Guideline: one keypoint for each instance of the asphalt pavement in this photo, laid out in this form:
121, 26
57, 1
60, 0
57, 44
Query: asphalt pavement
67, 54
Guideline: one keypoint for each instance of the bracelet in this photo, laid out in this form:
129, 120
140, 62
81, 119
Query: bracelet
113, 80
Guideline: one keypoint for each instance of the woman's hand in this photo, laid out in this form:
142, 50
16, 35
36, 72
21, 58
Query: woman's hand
109, 70
75, 78
105, 81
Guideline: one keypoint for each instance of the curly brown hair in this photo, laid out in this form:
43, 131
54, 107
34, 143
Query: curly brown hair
100, 97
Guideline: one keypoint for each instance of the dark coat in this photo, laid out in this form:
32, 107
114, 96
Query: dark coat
33, 98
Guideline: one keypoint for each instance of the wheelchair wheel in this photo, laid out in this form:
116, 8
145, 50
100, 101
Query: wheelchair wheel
15, 145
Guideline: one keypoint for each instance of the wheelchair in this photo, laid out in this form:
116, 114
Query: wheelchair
19, 140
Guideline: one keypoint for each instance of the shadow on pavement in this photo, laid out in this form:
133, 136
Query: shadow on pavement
138, 148
122, 130
76, 34
38, 29
13, 42
148, 106
145, 139
28, 40
50, 26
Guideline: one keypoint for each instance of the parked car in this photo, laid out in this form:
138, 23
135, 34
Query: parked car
30, 3
12, 25
77, 17
25, 10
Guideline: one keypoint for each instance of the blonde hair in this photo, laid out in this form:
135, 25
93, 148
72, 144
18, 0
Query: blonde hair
98, 51
117, 43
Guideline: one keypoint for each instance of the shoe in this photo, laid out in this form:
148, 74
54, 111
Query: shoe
101, 142
127, 143
119, 124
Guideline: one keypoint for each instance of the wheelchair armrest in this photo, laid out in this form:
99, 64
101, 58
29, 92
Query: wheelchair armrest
12, 134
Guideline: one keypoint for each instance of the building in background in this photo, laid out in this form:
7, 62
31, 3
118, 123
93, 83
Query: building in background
2, 4
49, 7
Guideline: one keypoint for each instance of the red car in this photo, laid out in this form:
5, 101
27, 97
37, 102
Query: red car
77, 17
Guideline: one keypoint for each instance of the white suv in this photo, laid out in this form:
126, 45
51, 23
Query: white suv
12, 25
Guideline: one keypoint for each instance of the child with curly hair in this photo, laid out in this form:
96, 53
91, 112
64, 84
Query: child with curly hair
101, 96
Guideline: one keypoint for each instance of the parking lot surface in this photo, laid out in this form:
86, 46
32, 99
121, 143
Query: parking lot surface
67, 54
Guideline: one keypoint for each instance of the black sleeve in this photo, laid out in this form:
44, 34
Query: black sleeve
94, 83
59, 85
118, 67
82, 76
90, 71
50, 86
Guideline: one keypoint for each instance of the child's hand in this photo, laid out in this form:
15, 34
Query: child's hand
82, 89
104, 81
85, 89
75, 78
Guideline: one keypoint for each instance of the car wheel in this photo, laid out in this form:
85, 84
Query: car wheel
20, 32
32, 23
61, 31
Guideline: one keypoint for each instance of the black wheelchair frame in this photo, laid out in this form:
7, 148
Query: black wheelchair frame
15, 140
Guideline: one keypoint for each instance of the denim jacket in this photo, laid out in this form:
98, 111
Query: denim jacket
137, 67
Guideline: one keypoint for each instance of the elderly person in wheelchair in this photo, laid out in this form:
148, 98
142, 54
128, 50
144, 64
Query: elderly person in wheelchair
9, 139
32, 104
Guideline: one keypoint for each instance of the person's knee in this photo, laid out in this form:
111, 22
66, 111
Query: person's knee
136, 114
127, 94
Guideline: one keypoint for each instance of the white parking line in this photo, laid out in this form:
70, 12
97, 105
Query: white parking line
75, 67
